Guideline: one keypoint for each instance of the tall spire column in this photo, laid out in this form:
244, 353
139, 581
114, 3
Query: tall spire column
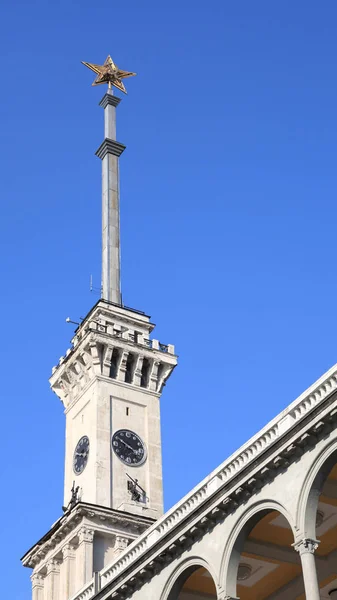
109, 152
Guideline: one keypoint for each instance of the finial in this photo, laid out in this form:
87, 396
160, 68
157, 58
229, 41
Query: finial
109, 73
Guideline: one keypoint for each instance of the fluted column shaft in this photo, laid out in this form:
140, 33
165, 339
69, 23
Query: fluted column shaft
37, 586
67, 573
52, 580
84, 557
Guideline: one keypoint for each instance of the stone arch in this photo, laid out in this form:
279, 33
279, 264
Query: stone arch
181, 574
236, 540
312, 487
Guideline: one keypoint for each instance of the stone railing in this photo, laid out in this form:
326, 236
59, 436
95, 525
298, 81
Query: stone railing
86, 592
131, 553
223, 474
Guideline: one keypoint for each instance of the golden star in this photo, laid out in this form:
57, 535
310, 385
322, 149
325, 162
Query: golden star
109, 73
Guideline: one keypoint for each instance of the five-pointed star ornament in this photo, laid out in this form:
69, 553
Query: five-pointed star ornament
109, 73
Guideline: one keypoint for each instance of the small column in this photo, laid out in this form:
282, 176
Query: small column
109, 152
67, 574
52, 580
37, 586
84, 557
306, 549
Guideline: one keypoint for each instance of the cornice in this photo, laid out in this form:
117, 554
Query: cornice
71, 523
90, 358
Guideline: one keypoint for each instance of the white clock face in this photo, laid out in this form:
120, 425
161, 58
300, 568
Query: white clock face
129, 447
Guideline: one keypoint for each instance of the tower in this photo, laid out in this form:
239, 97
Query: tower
109, 381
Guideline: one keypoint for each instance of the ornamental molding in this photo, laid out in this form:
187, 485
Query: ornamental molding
295, 431
109, 99
109, 146
73, 528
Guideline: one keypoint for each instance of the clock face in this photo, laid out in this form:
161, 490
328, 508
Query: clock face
81, 455
129, 448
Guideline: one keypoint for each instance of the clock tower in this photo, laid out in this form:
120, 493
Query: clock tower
110, 382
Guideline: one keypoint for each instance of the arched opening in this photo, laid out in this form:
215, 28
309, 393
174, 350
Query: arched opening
321, 524
195, 583
263, 562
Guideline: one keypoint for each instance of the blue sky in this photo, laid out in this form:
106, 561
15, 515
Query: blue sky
228, 221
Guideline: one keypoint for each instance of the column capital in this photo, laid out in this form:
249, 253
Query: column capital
86, 535
121, 543
53, 565
306, 546
68, 551
37, 580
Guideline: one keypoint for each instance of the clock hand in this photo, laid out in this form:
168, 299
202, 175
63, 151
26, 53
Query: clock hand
127, 445
130, 447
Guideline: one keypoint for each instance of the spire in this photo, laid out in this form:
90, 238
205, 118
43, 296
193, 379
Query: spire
109, 152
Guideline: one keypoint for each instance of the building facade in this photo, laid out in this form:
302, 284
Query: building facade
262, 526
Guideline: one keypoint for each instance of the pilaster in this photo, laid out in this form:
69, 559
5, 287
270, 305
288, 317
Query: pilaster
84, 556
37, 586
67, 572
52, 580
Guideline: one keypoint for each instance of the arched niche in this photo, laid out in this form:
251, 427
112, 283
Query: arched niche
194, 582
261, 559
